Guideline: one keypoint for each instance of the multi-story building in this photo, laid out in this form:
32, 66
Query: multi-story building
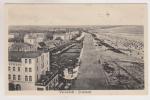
30, 39
26, 68
34, 38
40, 37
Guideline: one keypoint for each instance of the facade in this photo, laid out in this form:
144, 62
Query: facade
13, 35
71, 73
40, 37
65, 36
71, 35
30, 39
59, 35
68, 36
34, 38
26, 68
10, 36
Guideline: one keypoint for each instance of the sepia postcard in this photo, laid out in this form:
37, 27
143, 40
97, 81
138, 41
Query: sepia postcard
76, 49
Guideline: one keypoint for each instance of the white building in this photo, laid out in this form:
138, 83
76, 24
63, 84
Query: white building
10, 36
59, 35
65, 36
26, 68
34, 38
30, 39
70, 74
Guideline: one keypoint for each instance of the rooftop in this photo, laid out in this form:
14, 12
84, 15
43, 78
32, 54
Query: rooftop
15, 40
17, 55
19, 45
30, 37
45, 79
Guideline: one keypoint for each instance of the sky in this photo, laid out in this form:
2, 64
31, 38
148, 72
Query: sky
76, 14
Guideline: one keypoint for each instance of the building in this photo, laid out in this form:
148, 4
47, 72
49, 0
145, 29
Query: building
49, 81
34, 38
72, 35
13, 35
26, 68
30, 39
22, 47
48, 44
59, 35
10, 36
10, 44
71, 73
40, 37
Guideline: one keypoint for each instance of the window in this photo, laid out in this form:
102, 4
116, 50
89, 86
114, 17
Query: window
42, 57
13, 68
30, 78
9, 68
30, 69
37, 68
14, 77
37, 77
26, 78
25, 60
40, 89
29, 61
19, 77
26, 69
42, 65
18, 68
9, 76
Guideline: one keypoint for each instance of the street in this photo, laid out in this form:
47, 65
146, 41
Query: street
91, 75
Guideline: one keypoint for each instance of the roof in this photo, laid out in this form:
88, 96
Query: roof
59, 33
51, 44
29, 36
15, 40
20, 45
45, 79
17, 55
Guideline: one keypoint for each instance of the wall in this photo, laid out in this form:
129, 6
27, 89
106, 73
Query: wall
25, 85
